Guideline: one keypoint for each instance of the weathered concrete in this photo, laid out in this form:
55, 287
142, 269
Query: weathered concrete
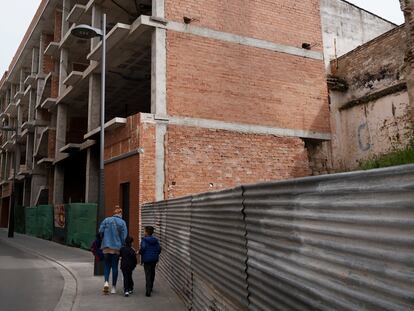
92, 176
158, 72
407, 6
345, 26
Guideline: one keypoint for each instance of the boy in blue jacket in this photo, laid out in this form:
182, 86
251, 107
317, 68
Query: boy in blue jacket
150, 252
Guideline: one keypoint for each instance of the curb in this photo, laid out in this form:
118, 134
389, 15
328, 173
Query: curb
69, 300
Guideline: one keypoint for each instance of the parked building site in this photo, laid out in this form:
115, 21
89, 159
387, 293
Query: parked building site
203, 96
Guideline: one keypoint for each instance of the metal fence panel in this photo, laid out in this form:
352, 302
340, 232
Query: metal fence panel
338, 242
172, 227
218, 251
177, 260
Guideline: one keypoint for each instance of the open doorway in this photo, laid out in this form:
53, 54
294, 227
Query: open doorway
124, 192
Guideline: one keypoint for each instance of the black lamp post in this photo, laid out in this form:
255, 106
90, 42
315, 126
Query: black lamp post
88, 32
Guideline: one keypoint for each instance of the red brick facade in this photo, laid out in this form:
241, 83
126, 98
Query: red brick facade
282, 21
200, 160
229, 82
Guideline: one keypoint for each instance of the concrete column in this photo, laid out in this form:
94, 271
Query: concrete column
407, 6
38, 180
158, 95
35, 61
21, 78
96, 22
92, 176
40, 53
94, 109
2, 158
26, 192
29, 151
158, 72
61, 114
158, 8
32, 105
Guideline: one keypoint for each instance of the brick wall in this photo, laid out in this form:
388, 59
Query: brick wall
51, 143
374, 65
48, 62
123, 139
147, 163
224, 81
57, 32
283, 21
199, 160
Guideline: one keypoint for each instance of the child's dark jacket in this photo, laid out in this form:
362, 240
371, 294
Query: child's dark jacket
128, 258
150, 249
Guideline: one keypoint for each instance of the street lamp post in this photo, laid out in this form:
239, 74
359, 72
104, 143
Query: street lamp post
12, 207
88, 32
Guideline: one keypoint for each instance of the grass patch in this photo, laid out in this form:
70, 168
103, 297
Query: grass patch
400, 157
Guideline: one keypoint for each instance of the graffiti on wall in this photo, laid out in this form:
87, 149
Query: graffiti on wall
364, 139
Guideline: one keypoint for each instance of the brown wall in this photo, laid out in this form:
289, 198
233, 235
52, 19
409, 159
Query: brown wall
229, 82
118, 143
116, 173
200, 160
377, 125
282, 21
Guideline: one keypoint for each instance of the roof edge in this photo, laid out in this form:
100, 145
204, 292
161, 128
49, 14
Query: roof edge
35, 20
369, 12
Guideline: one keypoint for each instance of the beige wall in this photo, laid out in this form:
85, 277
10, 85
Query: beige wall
375, 128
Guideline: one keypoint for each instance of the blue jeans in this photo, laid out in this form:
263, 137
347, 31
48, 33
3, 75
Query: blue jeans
111, 262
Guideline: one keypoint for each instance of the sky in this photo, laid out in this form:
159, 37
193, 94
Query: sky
15, 17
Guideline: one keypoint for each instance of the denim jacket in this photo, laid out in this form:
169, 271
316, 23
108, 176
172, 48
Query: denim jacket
114, 232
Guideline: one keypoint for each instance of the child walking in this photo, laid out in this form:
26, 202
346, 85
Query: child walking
128, 263
150, 251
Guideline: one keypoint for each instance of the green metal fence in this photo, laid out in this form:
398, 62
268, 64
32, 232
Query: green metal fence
19, 219
80, 224
39, 221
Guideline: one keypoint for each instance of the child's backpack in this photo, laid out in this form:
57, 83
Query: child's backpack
96, 250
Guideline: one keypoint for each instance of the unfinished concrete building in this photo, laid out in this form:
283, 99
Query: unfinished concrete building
201, 95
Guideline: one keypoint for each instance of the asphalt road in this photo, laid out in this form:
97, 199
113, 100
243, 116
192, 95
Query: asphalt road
27, 282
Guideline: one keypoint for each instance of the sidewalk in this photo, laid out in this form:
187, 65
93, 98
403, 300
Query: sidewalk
82, 290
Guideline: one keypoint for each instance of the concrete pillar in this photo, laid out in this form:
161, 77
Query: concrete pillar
29, 151
61, 114
407, 6
94, 109
26, 192
21, 79
38, 180
158, 95
35, 61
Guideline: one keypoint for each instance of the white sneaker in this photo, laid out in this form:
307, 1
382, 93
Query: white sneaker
113, 290
106, 288
126, 294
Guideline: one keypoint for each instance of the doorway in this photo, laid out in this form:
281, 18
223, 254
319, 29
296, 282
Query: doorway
125, 202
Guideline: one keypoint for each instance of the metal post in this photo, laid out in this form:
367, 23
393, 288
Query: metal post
12, 204
98, 266
101, 207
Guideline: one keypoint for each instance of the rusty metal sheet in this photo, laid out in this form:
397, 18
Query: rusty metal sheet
336, 242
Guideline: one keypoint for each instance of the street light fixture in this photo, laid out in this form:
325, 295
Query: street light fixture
89, 32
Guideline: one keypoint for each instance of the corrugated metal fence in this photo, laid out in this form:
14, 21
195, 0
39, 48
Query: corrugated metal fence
336, 242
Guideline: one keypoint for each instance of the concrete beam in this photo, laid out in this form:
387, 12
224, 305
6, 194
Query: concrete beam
234, 127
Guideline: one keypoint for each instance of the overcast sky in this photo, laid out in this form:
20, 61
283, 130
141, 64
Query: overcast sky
15, 17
